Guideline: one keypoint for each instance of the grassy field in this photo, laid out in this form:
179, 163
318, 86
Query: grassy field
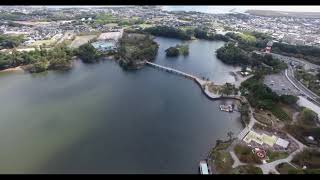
276, 155
187, 27
214, 88
263, 117
222, 159
80, 40
245, 154
247, 37
288, 109
280, 113
48, 42
247, 169
284, 168
111, 24
105, 19
145, 25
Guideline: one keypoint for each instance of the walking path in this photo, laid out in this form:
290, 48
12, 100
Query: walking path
267, 167
202, 83
236, 161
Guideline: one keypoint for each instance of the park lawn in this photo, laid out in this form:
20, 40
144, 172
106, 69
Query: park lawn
247, 169
263, 118
184, 28
309, 158
288, 109
144, 25
80, 40
280, 113
247, 37
221, 159
48, 42
111, 24
245, 154
214, 88
135, 17
221, 145
105, 19
67, 42
284, 168
273, 155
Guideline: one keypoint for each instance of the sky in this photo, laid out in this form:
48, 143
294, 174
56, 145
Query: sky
218, 9
213, 9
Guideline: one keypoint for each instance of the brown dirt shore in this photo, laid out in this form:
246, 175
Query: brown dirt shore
18, 68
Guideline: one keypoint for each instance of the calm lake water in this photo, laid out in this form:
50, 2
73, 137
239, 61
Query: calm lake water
101, 119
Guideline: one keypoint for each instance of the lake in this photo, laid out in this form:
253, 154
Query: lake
101, 119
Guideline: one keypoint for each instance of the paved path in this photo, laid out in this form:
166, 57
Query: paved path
236, 161
203, 83
171, 70
294, 117
268, 167
249, 126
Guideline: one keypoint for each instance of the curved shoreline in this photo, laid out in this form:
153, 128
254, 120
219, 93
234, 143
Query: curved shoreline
18, 68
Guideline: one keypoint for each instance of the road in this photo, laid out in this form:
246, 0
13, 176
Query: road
290, 76
289, 73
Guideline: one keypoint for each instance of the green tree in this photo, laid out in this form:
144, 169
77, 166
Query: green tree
289, 99
172, 52
88, 54
309, 117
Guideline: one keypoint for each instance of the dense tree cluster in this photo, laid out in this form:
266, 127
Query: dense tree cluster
267, 59
171, 32
39, 60
259, 95
8, 42
231, 54
309, 80
309, 53
134, 49
309, 158
172, 52
202, 33
234, 55
177, 50
250, 40
288, 99
87, 53
309, 117
229, 89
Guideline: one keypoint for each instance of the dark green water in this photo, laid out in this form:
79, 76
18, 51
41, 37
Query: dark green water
101, 119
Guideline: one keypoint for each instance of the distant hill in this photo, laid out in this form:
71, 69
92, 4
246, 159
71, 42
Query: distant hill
284, 14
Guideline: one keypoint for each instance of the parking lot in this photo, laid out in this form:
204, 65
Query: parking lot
280, 84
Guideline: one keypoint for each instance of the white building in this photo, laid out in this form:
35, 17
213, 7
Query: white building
281, 142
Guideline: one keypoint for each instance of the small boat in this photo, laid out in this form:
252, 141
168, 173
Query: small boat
227, 108
203, 167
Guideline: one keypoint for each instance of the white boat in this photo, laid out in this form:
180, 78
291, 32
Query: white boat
227, 108
204, 169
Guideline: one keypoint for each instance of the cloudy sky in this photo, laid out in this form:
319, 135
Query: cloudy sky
213, 9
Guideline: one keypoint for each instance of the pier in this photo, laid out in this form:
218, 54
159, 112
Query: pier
202, 83
171, 70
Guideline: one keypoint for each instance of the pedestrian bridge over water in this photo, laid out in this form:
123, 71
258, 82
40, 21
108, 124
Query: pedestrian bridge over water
203, 83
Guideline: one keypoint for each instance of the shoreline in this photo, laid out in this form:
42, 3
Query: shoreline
15, 69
